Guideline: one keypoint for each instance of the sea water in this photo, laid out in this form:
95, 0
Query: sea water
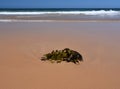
53, 14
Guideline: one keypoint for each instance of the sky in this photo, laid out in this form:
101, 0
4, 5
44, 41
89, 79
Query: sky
59, 3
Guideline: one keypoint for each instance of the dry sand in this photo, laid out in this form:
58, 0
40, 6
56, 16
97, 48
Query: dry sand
22, 45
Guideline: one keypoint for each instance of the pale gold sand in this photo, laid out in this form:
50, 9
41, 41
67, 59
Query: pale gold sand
22, 45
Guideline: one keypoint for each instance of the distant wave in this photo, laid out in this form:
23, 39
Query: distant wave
93, 12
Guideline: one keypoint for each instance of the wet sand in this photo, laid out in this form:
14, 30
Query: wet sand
22, 44
56, 17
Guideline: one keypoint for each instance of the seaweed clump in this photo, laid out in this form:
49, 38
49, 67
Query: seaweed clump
66, 54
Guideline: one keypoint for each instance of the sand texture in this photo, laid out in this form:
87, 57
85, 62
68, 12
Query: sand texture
22, 45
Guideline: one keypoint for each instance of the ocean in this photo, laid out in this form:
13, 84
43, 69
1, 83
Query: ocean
60, 14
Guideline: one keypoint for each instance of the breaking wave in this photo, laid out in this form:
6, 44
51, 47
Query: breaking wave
93, 12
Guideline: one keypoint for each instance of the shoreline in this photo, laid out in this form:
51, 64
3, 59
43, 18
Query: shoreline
15, 20
90, 16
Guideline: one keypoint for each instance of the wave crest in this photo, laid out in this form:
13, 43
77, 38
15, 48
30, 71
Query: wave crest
93, 12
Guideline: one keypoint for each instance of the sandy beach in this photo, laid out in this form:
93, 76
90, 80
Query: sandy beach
22, 44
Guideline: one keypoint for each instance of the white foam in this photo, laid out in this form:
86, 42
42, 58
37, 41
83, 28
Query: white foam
15, 20
100, 13
4, 20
